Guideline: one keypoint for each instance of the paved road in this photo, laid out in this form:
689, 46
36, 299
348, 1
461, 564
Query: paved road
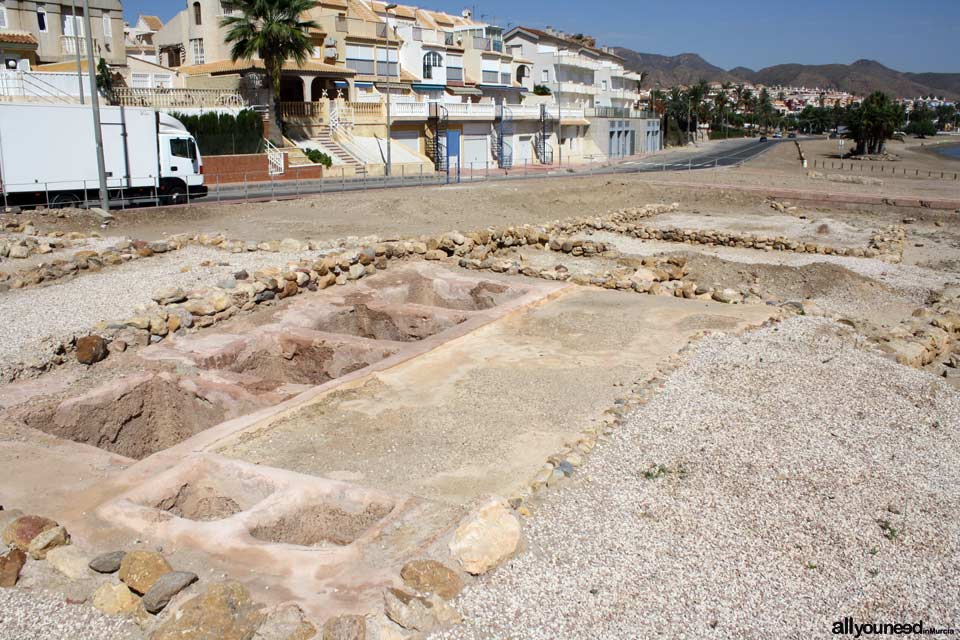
722, 154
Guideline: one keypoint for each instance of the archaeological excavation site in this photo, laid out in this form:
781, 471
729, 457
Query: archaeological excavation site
636, 409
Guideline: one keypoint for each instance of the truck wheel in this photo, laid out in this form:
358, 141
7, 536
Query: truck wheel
66, 199
175, 194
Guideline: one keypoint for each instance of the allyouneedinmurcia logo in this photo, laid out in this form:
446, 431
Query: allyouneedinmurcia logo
849, 627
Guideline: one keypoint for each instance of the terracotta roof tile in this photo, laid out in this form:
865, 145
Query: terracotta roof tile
153, 22
228, 66
17, 37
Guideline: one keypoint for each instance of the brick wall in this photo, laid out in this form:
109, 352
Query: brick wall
252, 168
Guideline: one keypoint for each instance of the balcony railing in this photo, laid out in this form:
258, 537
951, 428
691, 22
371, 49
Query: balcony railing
618, 112
575, 87
571, 114
76, 45
572, 60
485, 111
133, 97
312, 110
412, 110
519, 111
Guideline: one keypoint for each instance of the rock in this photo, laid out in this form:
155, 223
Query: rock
356, 272
21, 532
167, 586
169, 295
221, 302
286, 622
200, 307
91, 349
345, 628
19, 251
224, 611
430, 576
107, 562
486, 538
11, 562
47, 540
7, 516
727, 296
141, 569
291, 245
69, 561
435, 254
114, 599
417, 613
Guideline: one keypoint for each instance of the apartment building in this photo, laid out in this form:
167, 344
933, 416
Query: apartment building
139, 38
36, 33
596, 98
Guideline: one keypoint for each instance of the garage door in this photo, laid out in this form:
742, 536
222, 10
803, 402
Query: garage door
476, 153
409, 139
523, 152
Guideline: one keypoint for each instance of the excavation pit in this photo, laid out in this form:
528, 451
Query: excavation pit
322, 524
302, 357
412, 287
134, 417
391, 322
213, 497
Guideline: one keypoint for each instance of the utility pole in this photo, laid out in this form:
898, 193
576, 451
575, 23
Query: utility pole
559, 112
76, 43
95, 107
389, 8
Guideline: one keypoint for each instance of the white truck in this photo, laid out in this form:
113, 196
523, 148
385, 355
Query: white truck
48, 156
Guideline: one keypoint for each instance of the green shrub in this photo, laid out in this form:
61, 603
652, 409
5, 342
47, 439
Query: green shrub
220, 134
541, 90
319, 157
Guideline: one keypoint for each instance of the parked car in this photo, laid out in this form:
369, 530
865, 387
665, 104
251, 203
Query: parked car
778, 135
792, 135
763, 138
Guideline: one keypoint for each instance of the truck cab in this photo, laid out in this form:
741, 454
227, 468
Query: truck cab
181, 166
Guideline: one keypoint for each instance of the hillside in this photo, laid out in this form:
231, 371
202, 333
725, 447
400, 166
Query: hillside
861, 77
668, 71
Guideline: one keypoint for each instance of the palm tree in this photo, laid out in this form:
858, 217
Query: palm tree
720, 101
272, 31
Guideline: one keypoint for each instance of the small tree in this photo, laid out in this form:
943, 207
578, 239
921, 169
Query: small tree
273, 31
541, 90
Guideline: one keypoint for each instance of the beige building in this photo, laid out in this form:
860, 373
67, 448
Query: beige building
35, 33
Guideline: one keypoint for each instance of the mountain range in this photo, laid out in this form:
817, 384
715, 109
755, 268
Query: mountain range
861, 77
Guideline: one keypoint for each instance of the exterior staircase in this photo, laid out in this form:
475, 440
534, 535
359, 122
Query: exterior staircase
295, 154
437, 136
503, 132
541, 146
325, 137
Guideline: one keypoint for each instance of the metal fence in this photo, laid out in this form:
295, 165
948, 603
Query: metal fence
881, 169
295, 183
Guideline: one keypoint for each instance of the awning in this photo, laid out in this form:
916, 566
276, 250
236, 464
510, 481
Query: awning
575, 122
428, 87
499, 87
361, 84
464, 91
339, 83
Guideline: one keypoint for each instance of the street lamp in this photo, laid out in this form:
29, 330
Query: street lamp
95, 107
559, 110
390, 7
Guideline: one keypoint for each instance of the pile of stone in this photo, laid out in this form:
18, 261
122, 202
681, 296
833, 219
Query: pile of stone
27, 536
888, 243
929, 337
86, 260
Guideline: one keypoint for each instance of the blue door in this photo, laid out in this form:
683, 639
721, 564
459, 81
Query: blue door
453, 147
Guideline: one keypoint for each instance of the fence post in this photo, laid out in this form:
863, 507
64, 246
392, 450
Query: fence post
46, 190
218, 187
298, 182
246, 187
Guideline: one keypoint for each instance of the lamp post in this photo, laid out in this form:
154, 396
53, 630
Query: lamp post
559, 112
389, 8
76, 43
95, 107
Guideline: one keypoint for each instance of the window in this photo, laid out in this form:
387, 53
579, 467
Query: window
3, 16
227, 9
545, 75
360, 59
196, 46
431, 60
603, 85
197, 14
180, 147
107, 26
41, 19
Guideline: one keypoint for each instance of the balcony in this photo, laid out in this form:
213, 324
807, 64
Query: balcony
579, 62
76, 45
618, 112
158, 97
519, 111
471, 111
574, 87
409, 110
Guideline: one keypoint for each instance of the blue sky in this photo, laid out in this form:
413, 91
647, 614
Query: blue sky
908, 35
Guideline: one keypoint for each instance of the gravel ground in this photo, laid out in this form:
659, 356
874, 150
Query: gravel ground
779, 481
43, 615
29, 316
